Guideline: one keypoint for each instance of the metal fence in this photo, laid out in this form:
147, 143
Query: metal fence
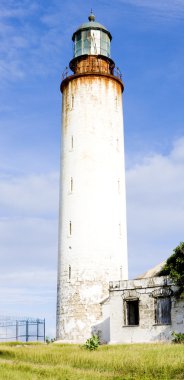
22, 329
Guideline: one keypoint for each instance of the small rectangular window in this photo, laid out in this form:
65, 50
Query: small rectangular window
72, 102
71, 142
119, 229
163, 311
71, 184
121, 273
70, 228
116, 103
69, 272
132, 312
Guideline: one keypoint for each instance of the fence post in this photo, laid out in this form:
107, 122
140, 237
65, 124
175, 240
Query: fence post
17, 330
37, 329
44, 329
27, 331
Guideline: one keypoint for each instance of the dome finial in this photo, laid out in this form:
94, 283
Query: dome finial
91, 16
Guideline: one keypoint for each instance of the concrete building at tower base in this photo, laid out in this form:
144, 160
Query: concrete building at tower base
143, 310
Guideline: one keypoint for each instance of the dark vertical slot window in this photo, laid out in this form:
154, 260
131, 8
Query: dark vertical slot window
120, 229
71, 184
116, 103
72, 142
70, 228
72, 102
70, 272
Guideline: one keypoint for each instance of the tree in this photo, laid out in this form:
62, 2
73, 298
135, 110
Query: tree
174, 268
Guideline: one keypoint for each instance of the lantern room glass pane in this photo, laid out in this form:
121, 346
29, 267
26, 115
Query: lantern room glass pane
86, 46
86, 42
78, 36
78, 45
105, 44
78, 48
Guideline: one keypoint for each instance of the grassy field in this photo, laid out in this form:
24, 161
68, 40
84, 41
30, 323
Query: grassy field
72, 362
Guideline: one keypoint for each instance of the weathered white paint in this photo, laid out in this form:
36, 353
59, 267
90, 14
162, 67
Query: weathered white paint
147, 330
95, 244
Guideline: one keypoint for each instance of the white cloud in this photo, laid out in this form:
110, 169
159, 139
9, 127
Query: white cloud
16, 9
32, 45
172, 7
30, 195
155, 207
15, 38
42, 277
25, 296
29, 221
28, 243
177, 154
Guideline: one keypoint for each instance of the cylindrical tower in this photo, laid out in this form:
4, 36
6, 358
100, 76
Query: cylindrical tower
92, 230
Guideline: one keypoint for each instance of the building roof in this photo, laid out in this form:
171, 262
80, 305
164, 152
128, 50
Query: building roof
153, 272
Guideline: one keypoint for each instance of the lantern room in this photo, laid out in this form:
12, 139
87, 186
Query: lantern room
92, 38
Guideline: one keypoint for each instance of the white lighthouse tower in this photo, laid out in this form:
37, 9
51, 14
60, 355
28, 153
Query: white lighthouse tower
92, 230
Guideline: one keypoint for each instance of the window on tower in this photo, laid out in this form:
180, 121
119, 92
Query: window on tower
71, 142
70, 228
116, 103
71, 184
70, 272
72, 102
119, 229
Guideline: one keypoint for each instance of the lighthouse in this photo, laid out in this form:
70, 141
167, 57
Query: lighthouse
92, 220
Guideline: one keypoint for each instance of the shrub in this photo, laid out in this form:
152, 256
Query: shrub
47, 340
178, 337
92, 343
174, 268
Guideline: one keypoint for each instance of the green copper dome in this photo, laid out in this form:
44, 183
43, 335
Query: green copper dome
92, 25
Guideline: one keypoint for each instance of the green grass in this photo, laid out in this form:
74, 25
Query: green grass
73, 362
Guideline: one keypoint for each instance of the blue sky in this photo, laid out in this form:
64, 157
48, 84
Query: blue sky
35, 47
